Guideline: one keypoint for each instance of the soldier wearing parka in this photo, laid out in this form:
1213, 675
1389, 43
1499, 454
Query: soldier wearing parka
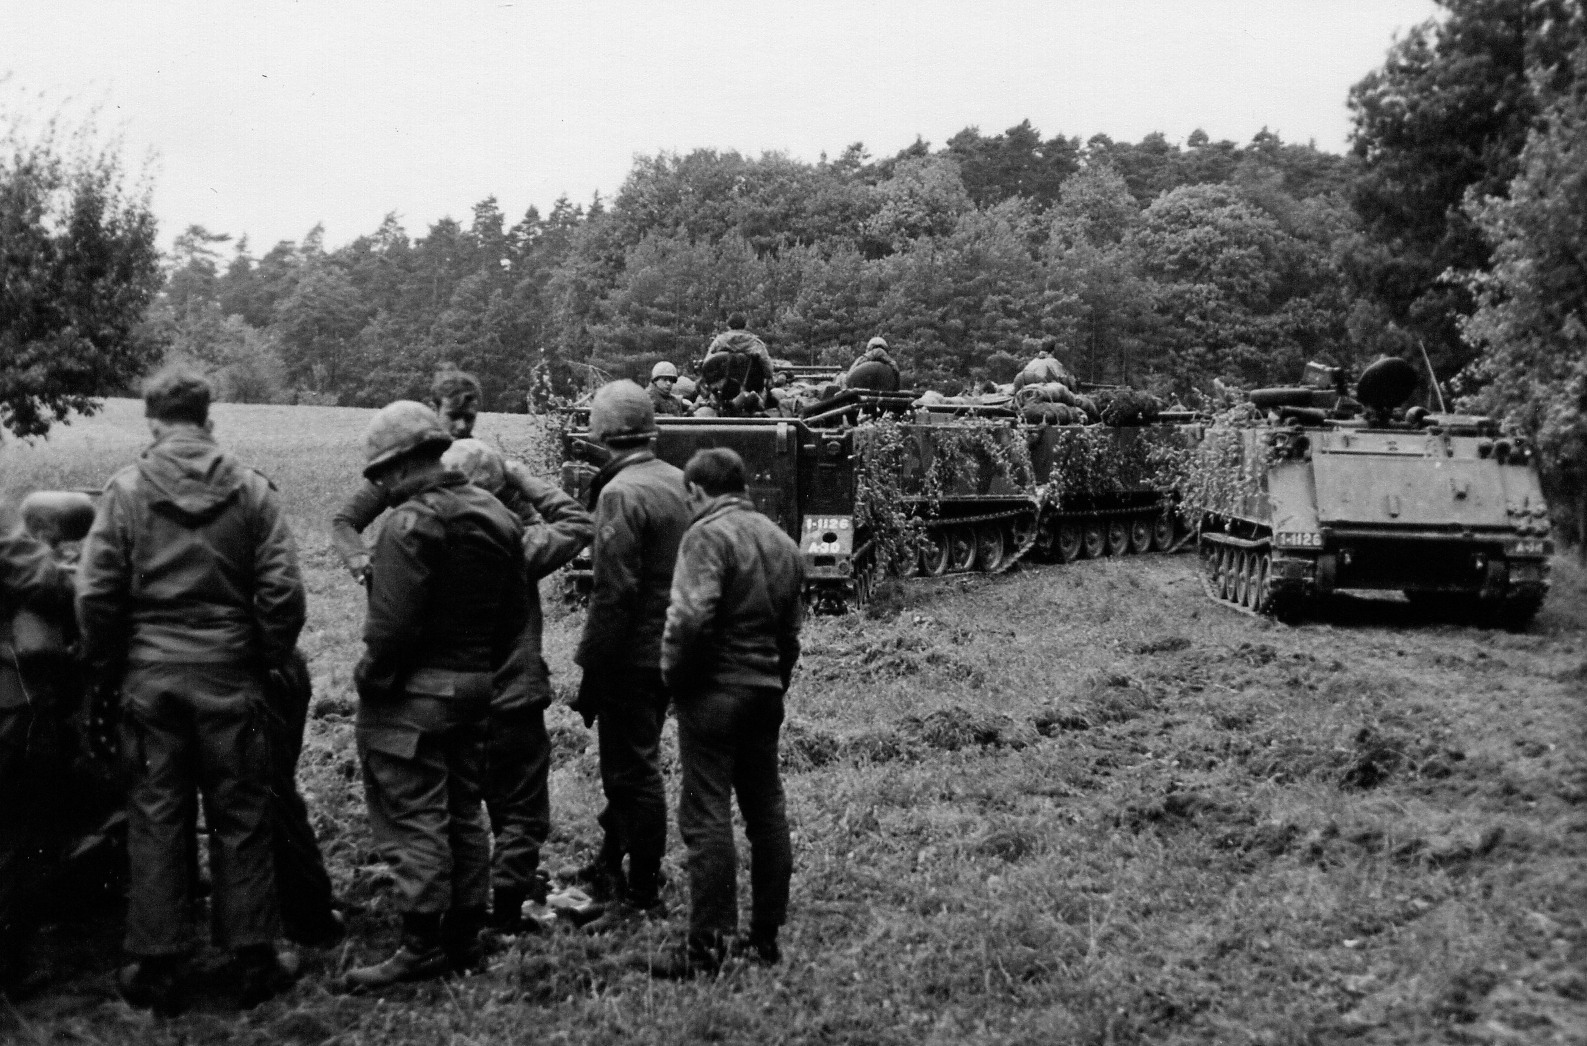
189, 595
640, 517
34, 589
447, 604
518, 751
727, 655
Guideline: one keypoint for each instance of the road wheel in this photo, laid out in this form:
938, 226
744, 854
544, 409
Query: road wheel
961, 549
1242, 577
1046, 546
1020, 532
990, 546
1068, 544
1092, 539
1140, 535
1264, 567
1226, 561
934, 554
1163, 531
1118, 537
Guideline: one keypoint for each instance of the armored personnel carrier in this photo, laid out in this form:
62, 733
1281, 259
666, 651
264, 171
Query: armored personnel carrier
1318, 493
869, 481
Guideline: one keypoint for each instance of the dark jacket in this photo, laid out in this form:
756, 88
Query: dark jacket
735, 610
447, 588
30, 580
189, 561
641, 513
555, 528
665, 403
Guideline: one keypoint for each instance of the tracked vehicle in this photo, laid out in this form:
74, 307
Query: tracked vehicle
1325, 495
973, 488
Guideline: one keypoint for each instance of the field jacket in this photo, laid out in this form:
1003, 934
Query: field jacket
555, 528
189, 561
30, 579
641, 513
366, 504
734, 613
447, 587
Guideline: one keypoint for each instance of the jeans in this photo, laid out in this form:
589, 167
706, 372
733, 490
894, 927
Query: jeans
727, 743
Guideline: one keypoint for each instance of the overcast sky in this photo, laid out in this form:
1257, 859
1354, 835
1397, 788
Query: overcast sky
268, 116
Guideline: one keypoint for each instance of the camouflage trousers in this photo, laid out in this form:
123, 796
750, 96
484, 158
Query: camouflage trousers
423, 758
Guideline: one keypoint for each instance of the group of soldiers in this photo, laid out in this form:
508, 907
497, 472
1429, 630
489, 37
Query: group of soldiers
739, 378
189, 603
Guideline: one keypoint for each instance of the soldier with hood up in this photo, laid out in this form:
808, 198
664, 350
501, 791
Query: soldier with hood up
189, 596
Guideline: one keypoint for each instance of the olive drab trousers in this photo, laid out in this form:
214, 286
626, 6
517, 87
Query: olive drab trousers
517, 797
635, 818
423, 756
197, 730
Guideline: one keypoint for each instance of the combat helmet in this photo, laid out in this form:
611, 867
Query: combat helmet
663, 370
621, 415
399, 429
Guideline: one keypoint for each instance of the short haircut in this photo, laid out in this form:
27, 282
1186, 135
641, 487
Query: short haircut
176, 395
456, 385
737, 322
716, 470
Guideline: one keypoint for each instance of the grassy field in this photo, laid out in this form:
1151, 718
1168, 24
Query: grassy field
1072, 804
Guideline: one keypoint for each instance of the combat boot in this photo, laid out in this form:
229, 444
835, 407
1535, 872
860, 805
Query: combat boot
460, 940
506, 911
262, 974
420, 957
626, 914
759, 947
602, 878
154, 984
701, 955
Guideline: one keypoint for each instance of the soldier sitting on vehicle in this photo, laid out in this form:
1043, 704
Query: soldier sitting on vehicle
663, 378
874, 370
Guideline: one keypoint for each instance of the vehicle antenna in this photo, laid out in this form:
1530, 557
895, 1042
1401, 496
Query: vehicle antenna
1432, 376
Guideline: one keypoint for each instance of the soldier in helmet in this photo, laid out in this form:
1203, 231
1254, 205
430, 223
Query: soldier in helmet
640, 516
32, 583
663, 378
874, 369
446, 608
518, 751
455, 396
189, 596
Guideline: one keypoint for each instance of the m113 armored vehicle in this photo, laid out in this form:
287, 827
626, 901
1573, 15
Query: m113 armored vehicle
1325, 494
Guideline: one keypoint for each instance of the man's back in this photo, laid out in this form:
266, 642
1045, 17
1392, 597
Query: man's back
734, 614
190, 561
640, 517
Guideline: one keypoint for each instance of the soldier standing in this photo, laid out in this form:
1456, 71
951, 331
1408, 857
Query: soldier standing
189, 595
455, 396
640, 516
31, 583
518, 752
446, 608
728, 653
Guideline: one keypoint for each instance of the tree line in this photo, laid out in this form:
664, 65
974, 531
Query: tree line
1454, 226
